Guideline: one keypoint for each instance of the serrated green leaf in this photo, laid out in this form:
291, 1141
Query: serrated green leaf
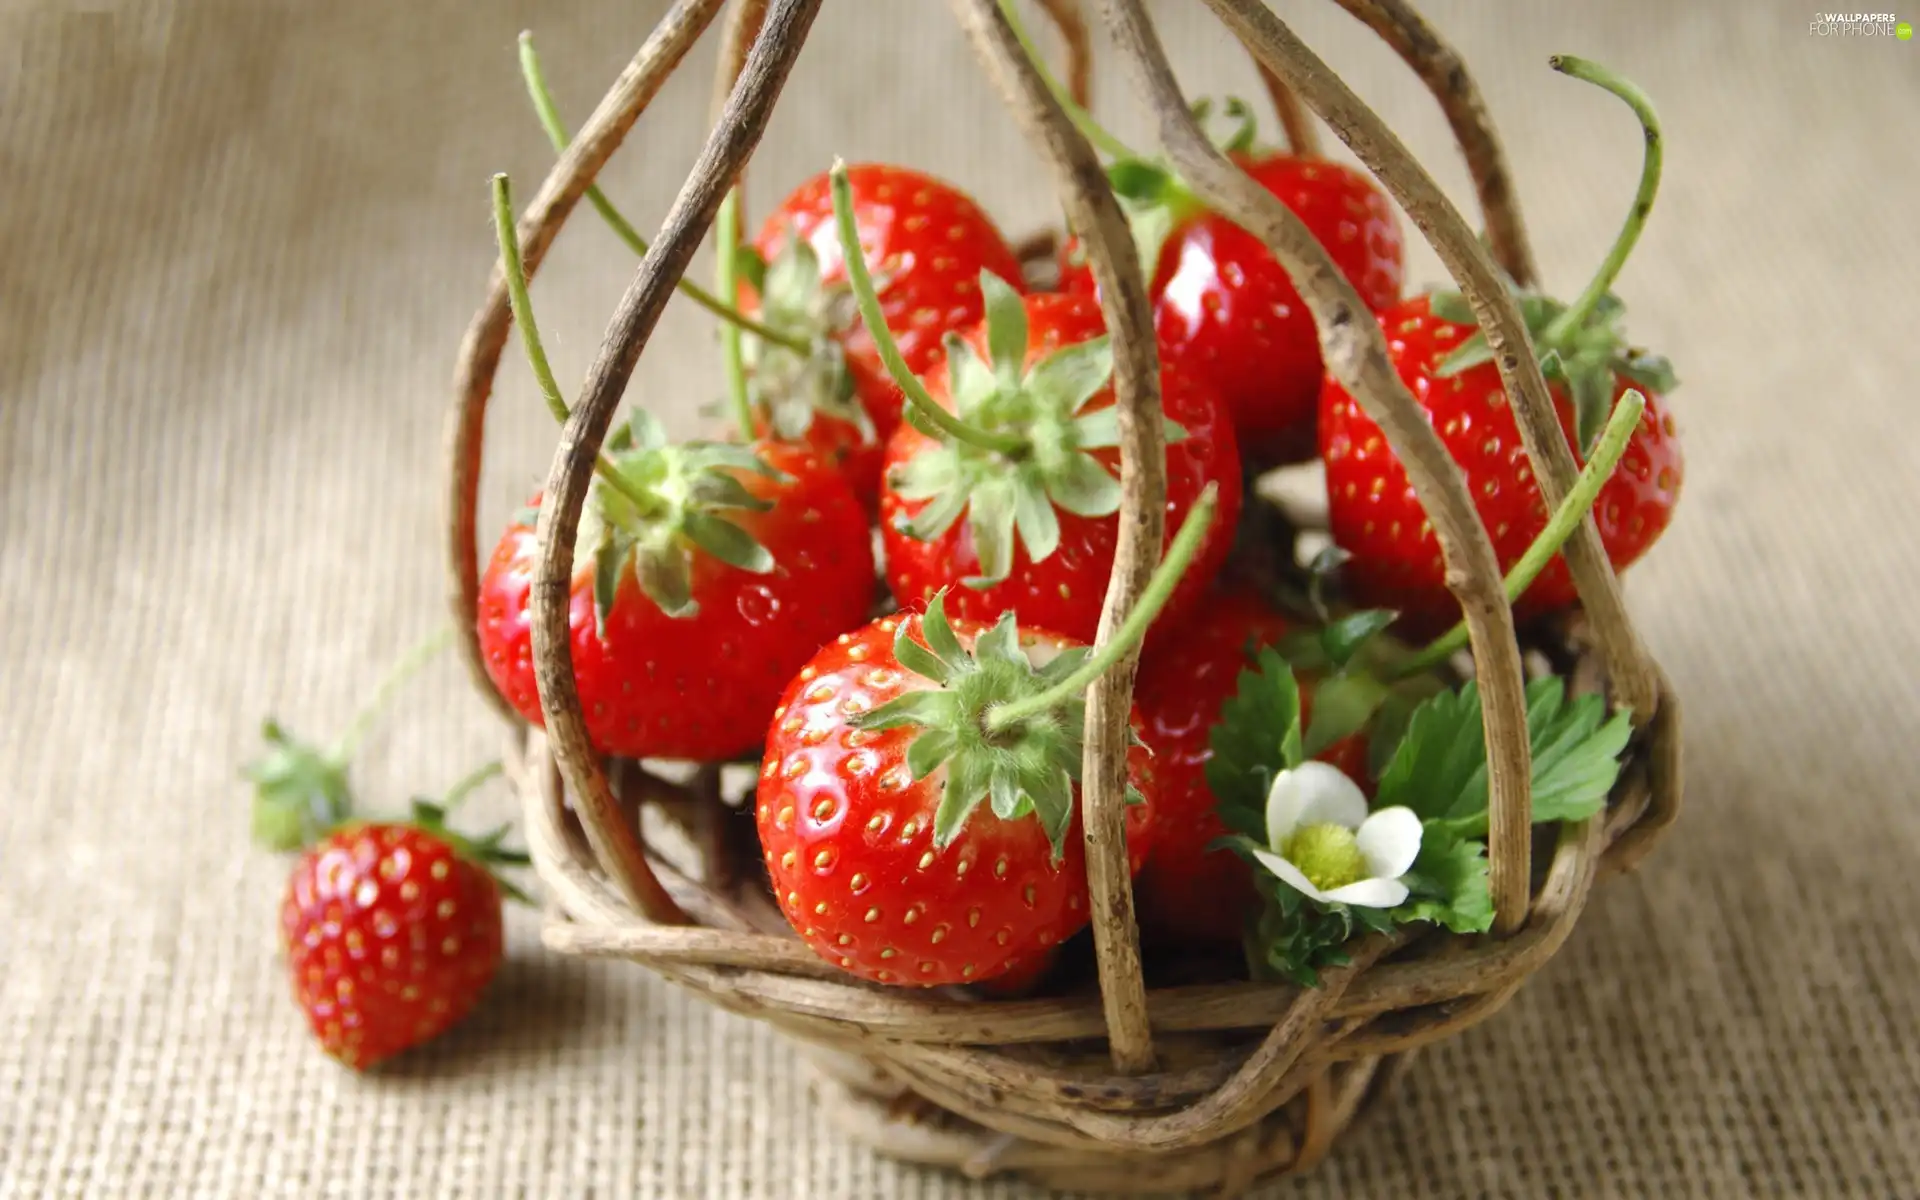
663, 576
1084, 487
1468, 354
1035, 519
1073, 375
1448, 884
1429, 773
1006, 320
1342, 706
1256, 737
990, 519
727, 542
1452, 306
928, 751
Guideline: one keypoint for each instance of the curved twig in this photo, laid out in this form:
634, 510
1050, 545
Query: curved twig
1303, 137
486, 335
1355, 352
1440, 67
1094, 213
1076, 53
1479, 280
737, 33
733, 138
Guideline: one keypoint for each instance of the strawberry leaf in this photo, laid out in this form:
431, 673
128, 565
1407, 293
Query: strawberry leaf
1035, 519
1073, 375
991, 521
1342, 706
1257, 736
1084, 487
1006, 320
727, 542
1448, 883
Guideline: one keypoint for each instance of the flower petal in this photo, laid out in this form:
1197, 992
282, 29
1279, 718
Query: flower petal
1369, 893
1311, 794
1389, 842
1289, 874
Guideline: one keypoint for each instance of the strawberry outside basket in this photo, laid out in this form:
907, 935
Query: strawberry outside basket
1201, 1084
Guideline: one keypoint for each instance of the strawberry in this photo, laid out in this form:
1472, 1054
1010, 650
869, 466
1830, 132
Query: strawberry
706, 575
909, 840
391, 932
1447, 365
1225, 310
1031, 463
1190, 890
930, 241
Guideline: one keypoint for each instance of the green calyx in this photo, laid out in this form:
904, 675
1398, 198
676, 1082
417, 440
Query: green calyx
789, 386
672, 501
1027, 454
1026, 768
1587, 359
300, 790
1581, 345
488, 851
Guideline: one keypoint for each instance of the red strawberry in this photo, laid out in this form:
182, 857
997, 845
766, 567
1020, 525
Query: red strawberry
907, 841
1447, 366
391, 931
1041, 501
1226, 311
928, 241
691, 612
1187, 889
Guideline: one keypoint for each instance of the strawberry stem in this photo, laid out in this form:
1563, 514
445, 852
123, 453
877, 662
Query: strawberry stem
1082, 119
1586, 489
522, 304
396, 677
1577, 313
1166, 577
549, 114
468, 784
727, 279
861, 283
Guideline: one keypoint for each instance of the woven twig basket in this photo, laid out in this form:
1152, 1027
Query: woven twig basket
1205, 1085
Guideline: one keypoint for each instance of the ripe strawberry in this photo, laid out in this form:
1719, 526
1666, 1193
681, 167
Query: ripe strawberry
908, 841
1037, 482
1447, 366
929, 241
1189, 890
703, 581
1225, 310
391, 931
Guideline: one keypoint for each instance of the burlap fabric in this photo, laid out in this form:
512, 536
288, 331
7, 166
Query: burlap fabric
238, 244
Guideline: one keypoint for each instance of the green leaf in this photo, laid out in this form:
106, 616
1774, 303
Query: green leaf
1151, 226
971, 383
917, 658
1006, 319
1452, 306
1035, 518
938, 632
1003, 790
1073, 375
927, 708
1084, 487
928, 474
708, 455
990, 519
715, 489
1051, 795
1239, 139
1650, 372
1257, 736
1576, 752
1002, 642
750, 268
1430, 772
727, 542
929, 751
967, 783
1138, 180
662, 570
1592, 387
792, 280
1468, 354
1342, 706
1342, 639
938, 516
646, 430
609, 563
1097, 430
1448, 883
1295, 939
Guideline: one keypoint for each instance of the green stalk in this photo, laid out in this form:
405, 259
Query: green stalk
727, 278
1081, 118
522, 304
397, 677
469, 783
1566, 518
549, 114
1166, 577
861, 283
1577, 313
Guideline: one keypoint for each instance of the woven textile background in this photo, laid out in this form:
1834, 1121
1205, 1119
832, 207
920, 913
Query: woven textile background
239, 241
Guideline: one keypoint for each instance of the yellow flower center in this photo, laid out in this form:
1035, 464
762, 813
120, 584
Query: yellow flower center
1327, 854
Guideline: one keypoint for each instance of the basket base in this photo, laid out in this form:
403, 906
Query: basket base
866, 1103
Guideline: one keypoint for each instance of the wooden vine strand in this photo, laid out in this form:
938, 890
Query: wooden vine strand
615, 842
737, 33
1355, 352
1076, 52
487, 333
1465, 258
1094, 214
1441, 68
1303, 139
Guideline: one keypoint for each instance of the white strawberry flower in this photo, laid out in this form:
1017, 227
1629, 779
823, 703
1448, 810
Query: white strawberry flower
1323, 843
